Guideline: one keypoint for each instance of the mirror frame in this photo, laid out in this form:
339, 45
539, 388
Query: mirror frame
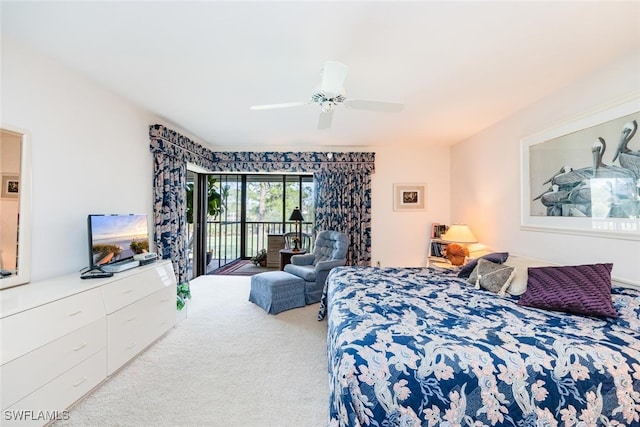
23, 274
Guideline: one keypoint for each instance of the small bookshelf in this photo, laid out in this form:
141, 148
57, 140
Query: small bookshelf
437, 250
437, 246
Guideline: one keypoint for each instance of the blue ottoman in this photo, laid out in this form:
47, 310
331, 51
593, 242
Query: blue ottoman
277, 291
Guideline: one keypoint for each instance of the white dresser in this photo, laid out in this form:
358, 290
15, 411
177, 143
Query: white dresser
62, 337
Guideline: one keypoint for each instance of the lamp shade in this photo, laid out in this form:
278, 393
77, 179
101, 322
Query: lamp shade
459, 233
296, 215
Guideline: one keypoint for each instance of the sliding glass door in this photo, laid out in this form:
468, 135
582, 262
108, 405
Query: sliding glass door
270, 201
224, 231
229, 216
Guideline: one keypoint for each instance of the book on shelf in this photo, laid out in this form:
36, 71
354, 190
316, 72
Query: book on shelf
438, 249
437, 230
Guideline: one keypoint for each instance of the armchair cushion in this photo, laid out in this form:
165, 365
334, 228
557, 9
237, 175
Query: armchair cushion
304, 259
330, 245
306, 272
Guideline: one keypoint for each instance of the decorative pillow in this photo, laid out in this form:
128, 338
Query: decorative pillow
522, 264
497, 257
581, 289
491, 276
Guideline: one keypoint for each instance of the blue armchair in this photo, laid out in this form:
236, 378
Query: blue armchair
330, 251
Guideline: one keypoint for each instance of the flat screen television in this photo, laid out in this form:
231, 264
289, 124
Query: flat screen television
116, 237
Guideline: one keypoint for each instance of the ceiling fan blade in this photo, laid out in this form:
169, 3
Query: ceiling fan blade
324, 122
283, 105
360, 104
333, 75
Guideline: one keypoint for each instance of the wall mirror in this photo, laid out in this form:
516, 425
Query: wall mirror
15, 207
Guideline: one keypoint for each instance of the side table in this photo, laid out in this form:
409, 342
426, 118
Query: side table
286, 254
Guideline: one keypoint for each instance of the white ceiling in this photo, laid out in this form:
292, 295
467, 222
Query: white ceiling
458, 66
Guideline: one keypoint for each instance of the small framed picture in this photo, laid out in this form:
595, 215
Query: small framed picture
409, 197
10, 186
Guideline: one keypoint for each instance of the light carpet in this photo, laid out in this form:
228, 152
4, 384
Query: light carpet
228, 364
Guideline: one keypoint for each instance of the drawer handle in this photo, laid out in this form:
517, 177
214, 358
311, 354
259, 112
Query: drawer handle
132, 318
128, 291
164, 299
80, 382
80, 347
75, 313
130, 346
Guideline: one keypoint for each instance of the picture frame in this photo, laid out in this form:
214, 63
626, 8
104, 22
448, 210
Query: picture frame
10, 186
409, 197
560, 191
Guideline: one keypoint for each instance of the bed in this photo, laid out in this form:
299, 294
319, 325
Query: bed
423, 347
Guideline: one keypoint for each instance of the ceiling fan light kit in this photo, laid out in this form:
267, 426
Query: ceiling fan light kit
331, 94
327, 103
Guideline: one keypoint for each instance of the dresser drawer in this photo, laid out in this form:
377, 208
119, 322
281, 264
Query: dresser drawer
36, 368
57, 395
163, 316
25, 331
131, 329
128, 290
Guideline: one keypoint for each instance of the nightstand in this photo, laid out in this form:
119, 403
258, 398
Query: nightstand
286, 254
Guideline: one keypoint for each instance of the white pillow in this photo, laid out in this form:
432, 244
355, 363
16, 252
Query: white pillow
519, 282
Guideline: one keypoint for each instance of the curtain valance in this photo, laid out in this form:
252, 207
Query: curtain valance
170, 142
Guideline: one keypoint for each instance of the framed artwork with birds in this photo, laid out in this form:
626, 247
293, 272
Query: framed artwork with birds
584, 175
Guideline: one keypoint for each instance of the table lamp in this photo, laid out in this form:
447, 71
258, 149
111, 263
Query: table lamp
456, 234
296, 216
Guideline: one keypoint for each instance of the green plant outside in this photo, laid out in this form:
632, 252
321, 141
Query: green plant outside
214, 200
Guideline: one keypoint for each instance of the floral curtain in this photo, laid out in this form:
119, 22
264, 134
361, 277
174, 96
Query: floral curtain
342, 180
169, 211
343, 203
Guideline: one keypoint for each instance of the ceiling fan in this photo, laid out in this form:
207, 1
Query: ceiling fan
331, 94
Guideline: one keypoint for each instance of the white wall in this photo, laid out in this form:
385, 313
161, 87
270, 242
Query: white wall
400, 238
485, 170
90, 154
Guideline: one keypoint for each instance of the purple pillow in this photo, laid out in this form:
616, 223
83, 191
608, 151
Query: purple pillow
497, 257
581, 289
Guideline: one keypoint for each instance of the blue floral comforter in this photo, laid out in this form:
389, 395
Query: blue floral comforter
419, 347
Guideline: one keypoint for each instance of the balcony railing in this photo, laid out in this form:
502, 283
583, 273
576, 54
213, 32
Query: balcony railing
223, 238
